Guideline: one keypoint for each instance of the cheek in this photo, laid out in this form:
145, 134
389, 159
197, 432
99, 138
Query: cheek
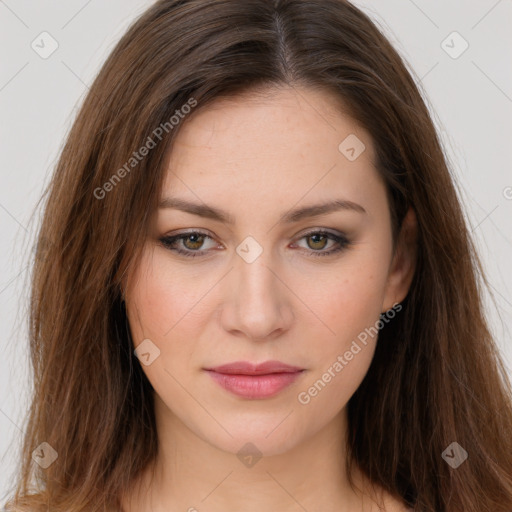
326, 392
162, 305
349, 307
342, 358
349, 301
161, 296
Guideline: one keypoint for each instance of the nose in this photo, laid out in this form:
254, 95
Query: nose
257, 302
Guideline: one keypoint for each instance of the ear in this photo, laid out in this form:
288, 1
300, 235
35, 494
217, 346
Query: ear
402, 267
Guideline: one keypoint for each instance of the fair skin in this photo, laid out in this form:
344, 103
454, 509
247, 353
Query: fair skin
257, 158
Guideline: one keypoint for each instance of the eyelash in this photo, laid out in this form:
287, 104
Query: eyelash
169, 243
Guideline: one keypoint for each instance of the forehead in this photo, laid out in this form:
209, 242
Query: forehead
271, 145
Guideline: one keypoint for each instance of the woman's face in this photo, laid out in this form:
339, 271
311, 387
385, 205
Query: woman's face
264, 283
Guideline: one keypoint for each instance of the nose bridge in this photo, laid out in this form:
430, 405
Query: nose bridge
252, 263
257, 303
255, 279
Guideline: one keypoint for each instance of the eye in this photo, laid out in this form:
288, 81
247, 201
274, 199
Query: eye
192, 241
191, 244
320, 239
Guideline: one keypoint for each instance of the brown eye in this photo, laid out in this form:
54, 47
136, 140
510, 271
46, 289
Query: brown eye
196, 241
319, 241
187, 244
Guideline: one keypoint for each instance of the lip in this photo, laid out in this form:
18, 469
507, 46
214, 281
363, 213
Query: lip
247, 368
255, 381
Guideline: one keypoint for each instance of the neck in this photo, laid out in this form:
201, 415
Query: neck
190, 474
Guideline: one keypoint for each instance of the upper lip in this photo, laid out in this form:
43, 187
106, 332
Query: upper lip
247, 368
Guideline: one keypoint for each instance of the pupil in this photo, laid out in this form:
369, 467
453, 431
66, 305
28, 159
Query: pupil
316, 239
193, 239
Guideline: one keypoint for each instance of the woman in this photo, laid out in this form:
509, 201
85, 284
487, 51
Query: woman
192, 350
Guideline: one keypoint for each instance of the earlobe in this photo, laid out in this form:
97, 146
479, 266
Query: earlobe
403, 265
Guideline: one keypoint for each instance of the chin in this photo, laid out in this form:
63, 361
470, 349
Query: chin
263, 438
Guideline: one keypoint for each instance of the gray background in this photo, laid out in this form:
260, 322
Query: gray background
470, 97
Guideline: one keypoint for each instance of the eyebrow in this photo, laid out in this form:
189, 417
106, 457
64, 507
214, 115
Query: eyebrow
289, 217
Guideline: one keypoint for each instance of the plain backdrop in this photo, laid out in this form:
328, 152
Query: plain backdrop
466, 78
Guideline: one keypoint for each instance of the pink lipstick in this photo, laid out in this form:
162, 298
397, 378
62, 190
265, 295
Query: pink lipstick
255, 381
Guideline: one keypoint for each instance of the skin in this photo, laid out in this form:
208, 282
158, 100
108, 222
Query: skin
258, 156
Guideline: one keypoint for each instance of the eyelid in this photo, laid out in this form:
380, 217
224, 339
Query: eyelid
311, 231
340, 239
308, 231
182, 234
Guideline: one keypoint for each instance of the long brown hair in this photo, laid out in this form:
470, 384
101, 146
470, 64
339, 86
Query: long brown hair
436, 377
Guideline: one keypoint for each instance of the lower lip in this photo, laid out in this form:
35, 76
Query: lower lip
255, 386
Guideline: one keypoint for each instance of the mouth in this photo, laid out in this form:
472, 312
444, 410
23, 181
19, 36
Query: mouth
255, 381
